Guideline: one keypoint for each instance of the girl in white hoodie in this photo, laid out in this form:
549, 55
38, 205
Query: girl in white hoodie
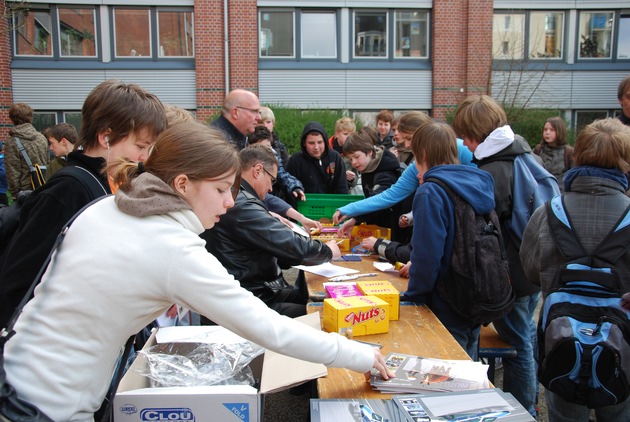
127, 259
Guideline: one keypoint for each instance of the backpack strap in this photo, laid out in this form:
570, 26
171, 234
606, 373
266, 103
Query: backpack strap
89, 181
20, 146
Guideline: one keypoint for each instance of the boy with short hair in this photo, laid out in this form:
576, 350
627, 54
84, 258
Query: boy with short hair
317, 166
61, 139
482, 123
385, 135
268, 119
343, 128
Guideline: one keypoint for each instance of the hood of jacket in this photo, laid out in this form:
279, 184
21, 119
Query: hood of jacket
473, 185
25, 131
314, 127
149, 195
382, 161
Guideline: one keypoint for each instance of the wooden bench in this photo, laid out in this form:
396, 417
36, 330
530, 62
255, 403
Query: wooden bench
491, 346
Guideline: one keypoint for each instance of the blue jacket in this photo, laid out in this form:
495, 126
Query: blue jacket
434, 228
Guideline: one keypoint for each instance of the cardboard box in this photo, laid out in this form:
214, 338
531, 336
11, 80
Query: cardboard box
341, 289
358, 315
362, 231
136, 401
342, 242
382, 289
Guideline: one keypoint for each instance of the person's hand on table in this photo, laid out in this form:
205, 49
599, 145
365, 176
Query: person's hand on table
338, 217
404, 271
311, 225
380, 366
335, 249
346, 228
368, 243
299, 194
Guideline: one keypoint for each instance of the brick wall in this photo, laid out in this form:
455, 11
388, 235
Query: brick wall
6, 90
462, 51
210, 51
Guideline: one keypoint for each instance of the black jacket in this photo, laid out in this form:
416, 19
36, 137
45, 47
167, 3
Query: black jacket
253, 245
42, 216
232, 134
324, 175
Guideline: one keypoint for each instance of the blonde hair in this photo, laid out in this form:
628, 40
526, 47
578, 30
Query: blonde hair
194, 149
176, 114
604, 143
345, 124
477, 116
435, 143
267, 114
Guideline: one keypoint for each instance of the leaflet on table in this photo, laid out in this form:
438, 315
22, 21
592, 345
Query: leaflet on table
385, 267
416, 374
353, 410
327, 269
475, 405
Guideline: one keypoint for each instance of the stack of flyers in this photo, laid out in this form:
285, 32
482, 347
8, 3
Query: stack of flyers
355, 410
487, 405
417, 374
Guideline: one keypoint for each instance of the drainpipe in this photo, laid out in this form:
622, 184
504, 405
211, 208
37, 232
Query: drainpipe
226, 42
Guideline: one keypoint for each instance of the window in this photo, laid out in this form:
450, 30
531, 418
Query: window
370, 34
595, 31
276, 34
583, 118
74, 118
33, 33
623, 46
77, 32
411, 34
507, 36
175, 34
546, 35
319, 35
132, 32
42, 120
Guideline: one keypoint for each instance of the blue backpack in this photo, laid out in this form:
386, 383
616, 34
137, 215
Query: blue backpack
583, 333
533, 186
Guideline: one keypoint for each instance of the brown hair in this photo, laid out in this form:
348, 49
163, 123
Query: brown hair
385, 116
623, 87
261, 133
477, 116
435, 143
122, 108
194, 149
561, 130
62, 130
604, 143
255, 154
21, 113
363, 141
411, 121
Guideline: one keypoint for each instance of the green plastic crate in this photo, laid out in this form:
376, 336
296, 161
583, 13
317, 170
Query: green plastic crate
322, 205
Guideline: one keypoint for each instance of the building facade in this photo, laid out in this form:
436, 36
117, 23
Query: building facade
354, 55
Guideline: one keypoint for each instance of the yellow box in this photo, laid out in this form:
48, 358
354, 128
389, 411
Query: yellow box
344, 242
359, 315
382, 289
362, 231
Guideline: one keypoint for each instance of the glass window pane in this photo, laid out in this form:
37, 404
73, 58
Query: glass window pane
176, 34
583, 118
43, 120
412, 37
77, 32
546, 33
276, 34
132, 29
507, 36
596, 34
370, 34
33, 33
74, 118
623, 47
319, 35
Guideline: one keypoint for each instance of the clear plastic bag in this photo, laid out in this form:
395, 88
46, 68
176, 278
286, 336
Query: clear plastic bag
200, 364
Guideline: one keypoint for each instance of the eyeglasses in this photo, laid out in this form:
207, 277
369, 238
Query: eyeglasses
251, 110
273, 179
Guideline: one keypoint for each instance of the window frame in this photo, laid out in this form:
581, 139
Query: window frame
623, 15
388, 41
427, 34
293, 11
300, 25
562, 32
95, 15
157, 31
613, 36
15, 32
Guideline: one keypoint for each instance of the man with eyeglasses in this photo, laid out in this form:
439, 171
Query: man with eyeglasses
253, 245
239, 117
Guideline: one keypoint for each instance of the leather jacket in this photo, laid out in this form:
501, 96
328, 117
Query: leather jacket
253, 245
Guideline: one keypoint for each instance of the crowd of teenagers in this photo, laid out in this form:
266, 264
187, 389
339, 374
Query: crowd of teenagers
200, 216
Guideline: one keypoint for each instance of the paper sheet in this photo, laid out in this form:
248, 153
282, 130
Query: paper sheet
385, 267
445, 405
327, 269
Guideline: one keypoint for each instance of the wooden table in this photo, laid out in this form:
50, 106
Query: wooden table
418, 332
314, 282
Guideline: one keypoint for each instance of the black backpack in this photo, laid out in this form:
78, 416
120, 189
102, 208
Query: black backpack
583, 333
477, 284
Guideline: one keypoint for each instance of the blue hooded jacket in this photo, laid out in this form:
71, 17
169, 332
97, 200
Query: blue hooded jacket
434, 228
